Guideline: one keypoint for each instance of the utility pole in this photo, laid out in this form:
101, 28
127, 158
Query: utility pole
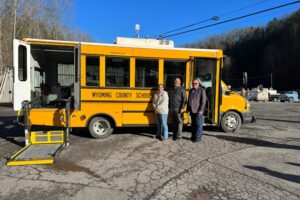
271, 80
272, 74
245, 79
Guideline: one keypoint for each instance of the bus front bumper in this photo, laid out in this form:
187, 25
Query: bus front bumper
248, 117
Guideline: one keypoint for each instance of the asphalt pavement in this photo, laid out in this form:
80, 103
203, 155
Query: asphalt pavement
262, 161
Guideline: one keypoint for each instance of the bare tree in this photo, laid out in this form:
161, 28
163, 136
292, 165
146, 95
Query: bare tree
1, 13
7, 16
36, 19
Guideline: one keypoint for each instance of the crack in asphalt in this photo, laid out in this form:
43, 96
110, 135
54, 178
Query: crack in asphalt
251, 177
61, 182
187, 170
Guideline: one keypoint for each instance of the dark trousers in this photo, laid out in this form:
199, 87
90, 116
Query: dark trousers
176, 123
197, 126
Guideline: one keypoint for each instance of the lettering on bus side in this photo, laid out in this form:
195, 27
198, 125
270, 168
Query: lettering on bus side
102, 94
141, 95
123, 95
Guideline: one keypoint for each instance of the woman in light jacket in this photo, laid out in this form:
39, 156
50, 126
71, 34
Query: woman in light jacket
161, 107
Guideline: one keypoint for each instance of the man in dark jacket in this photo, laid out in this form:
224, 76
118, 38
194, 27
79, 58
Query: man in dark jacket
177, 100
196, 105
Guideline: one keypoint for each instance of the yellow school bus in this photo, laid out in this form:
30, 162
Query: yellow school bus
112, 85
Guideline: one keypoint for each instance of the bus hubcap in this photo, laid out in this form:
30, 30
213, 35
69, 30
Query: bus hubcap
100, 127
231, 122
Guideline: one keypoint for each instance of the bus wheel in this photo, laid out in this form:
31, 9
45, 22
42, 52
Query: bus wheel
100, 127
231, 122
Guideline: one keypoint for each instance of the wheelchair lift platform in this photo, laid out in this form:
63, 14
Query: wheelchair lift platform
41, 146
42, 150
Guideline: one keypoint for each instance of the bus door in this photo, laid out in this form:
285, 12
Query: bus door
207, 71
21, 66
77, 77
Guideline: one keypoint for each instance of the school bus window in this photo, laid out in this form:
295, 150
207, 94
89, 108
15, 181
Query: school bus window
92, 71
117, 72
146, 73
22, 72
65, 74
173, 69
204, 71
76, 65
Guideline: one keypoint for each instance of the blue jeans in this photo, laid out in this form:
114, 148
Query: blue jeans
162, 125
197, 126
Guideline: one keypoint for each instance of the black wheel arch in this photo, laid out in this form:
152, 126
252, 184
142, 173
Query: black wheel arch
104, 115
232, 110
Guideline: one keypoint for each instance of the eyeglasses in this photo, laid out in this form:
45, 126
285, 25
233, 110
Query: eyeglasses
195, 83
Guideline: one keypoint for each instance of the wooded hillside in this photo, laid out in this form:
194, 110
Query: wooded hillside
45, 19
260, 51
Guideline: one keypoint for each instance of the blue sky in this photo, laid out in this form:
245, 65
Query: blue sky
106, 19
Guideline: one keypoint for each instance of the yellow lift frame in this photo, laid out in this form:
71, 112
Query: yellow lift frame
41, 150
41, 146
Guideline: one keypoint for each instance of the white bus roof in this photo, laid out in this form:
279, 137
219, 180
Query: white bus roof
116, 45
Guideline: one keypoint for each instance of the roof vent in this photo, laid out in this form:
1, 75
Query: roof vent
139, 42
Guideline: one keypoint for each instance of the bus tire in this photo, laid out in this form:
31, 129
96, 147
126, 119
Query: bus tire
100, 127
231, 122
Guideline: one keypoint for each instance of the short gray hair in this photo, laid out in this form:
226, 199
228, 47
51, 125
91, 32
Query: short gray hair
198, 80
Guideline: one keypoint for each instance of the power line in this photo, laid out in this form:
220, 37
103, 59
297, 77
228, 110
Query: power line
226, 21
184, 27
239, 9
212, 18
244, 21
230, 20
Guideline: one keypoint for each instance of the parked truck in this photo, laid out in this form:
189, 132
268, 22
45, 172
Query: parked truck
273, 95
290, 96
